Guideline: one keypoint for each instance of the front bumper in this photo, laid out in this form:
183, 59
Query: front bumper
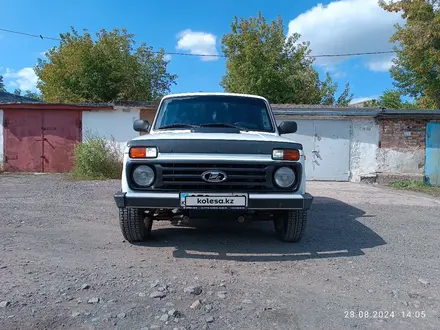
256, 201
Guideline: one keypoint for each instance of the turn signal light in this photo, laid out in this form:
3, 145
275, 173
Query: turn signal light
142, 152
286, 154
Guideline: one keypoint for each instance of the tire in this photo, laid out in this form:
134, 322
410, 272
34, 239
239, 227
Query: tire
290, 225
135, 226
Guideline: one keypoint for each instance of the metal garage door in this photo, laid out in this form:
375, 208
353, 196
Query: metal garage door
327, 147
40, 140
432, 163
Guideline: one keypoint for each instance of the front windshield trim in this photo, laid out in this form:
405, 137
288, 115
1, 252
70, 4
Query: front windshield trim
272, 123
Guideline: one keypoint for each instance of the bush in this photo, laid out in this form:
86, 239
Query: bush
97, 158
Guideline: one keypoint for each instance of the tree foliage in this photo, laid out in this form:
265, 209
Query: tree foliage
261, 60
2, 84
28, 94
109, 68
416, 69
391, 99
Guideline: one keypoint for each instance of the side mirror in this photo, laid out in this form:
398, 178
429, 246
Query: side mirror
140, 125
287, 127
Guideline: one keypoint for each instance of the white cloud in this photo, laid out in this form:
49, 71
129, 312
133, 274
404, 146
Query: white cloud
25, 79
348, 26
381, 64
198, 43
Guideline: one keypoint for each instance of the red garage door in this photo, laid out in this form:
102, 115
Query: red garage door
41, 140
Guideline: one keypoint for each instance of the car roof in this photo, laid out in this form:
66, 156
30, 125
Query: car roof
213, 94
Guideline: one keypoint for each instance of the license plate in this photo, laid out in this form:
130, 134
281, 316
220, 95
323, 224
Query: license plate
213, 201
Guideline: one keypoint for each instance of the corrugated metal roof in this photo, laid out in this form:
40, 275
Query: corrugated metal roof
338, 111
9, 98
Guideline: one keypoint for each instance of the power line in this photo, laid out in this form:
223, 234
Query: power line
211, 55
30, 35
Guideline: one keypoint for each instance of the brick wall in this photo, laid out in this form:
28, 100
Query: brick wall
399, 133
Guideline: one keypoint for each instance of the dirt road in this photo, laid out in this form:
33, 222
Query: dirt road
370, 260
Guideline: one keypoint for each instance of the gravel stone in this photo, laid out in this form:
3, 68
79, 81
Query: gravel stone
196, 290
4, 304
209, 319
221, 294
164, 317
423, 281
85, 287
172, 312
94, 300
157, 294
196, 304
121, 315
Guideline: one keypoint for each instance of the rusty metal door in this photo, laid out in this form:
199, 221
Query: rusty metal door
23, 141
61, 131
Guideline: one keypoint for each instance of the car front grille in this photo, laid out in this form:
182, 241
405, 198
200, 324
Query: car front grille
188, 176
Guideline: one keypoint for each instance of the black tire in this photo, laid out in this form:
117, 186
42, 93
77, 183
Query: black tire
135, 226
290, 225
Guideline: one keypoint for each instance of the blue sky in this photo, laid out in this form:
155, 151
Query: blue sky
196, 26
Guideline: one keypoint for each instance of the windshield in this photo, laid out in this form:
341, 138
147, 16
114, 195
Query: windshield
243, 112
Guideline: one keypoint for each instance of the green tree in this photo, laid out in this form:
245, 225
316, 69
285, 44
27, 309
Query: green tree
28, 94
32, 95
328, 90
262, 60
416, 69
109, 68
391, 99
2, 84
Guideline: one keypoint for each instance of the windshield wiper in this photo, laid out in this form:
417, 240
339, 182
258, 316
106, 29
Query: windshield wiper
224, 125
177, 125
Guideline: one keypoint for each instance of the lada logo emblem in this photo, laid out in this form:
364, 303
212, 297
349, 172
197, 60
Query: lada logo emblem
214, 176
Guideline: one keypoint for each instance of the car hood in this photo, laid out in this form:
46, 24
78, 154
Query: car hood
188, 142
188, 135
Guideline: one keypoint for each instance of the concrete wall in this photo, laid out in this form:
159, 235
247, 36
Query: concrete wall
112, 124
363, 149
2, 157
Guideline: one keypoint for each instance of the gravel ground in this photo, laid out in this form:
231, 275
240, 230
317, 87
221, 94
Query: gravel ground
369, 260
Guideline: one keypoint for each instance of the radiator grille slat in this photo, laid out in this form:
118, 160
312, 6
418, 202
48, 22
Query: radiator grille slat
188, 176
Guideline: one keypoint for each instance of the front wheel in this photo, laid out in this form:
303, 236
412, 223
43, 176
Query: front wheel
290, 225
135, 225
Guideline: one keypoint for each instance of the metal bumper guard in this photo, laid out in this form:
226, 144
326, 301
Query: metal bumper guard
257, 201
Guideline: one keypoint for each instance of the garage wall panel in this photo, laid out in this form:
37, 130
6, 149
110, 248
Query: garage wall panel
113, 124
23, 141
326, 145
61, 132
364, 149
331, 154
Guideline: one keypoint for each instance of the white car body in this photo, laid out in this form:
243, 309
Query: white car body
193, 168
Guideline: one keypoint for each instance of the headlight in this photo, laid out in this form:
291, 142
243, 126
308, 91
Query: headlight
143, 175
284, 177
